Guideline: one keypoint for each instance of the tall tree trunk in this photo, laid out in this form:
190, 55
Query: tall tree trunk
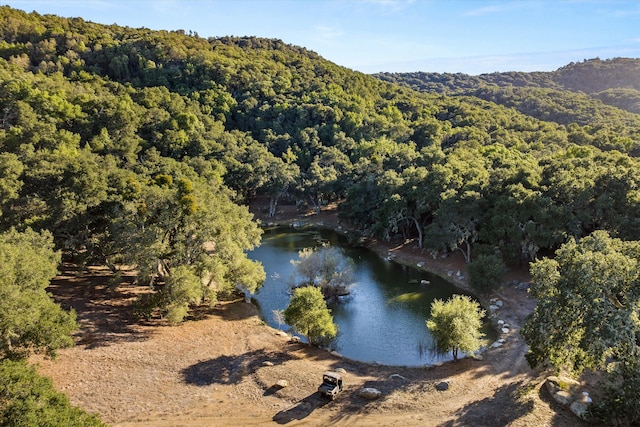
466, 251
316, 205
273, 204
419, 228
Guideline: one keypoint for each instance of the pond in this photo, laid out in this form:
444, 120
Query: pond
381, 321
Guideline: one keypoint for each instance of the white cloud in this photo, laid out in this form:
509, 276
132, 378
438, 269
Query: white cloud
395, 5
484, 11
327, 34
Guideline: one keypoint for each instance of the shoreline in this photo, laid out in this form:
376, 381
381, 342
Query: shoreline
451, 267
515, 301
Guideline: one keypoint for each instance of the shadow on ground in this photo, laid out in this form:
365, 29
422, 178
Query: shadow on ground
490, 411
104, 308
230, 369
302, 409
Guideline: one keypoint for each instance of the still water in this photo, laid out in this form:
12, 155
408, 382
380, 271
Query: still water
382, 320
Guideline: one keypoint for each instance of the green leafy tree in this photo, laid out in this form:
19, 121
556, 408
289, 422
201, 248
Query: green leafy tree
455, 225
407, 206
456, 324
29, 319
308, 314
587, 316
186, 232
28, 399
320, 181
456, 222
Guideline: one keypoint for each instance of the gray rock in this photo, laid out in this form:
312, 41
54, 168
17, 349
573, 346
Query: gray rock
442, 386
397, 376
563, 390
282, 383
369, 393
267, 363
580, 408
562, 397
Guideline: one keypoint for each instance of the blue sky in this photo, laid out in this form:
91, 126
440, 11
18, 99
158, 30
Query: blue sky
469, 36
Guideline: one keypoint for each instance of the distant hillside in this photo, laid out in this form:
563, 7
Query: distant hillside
615, 82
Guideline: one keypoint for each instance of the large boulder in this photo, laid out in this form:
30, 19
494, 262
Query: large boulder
563, 390
369, 393
580, 408
397, 376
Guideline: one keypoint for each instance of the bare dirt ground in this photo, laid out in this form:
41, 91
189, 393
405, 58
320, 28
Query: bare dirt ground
221, 367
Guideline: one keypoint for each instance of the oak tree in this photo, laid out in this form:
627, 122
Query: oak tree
587, 317
29, 319
456, 325
308, 314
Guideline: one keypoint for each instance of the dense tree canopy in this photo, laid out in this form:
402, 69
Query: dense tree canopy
588, 317
140, 148
136, 146
588, 306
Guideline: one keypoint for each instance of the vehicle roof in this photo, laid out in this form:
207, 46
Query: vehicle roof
333, 375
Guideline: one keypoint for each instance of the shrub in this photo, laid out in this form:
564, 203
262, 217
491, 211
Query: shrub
485, 273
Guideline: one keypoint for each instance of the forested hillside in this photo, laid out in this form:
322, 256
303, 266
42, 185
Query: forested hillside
123, 142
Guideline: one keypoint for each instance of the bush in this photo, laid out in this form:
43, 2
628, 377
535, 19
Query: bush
485, 273
619, 405
28, 399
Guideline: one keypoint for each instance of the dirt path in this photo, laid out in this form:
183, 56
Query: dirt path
222, 369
